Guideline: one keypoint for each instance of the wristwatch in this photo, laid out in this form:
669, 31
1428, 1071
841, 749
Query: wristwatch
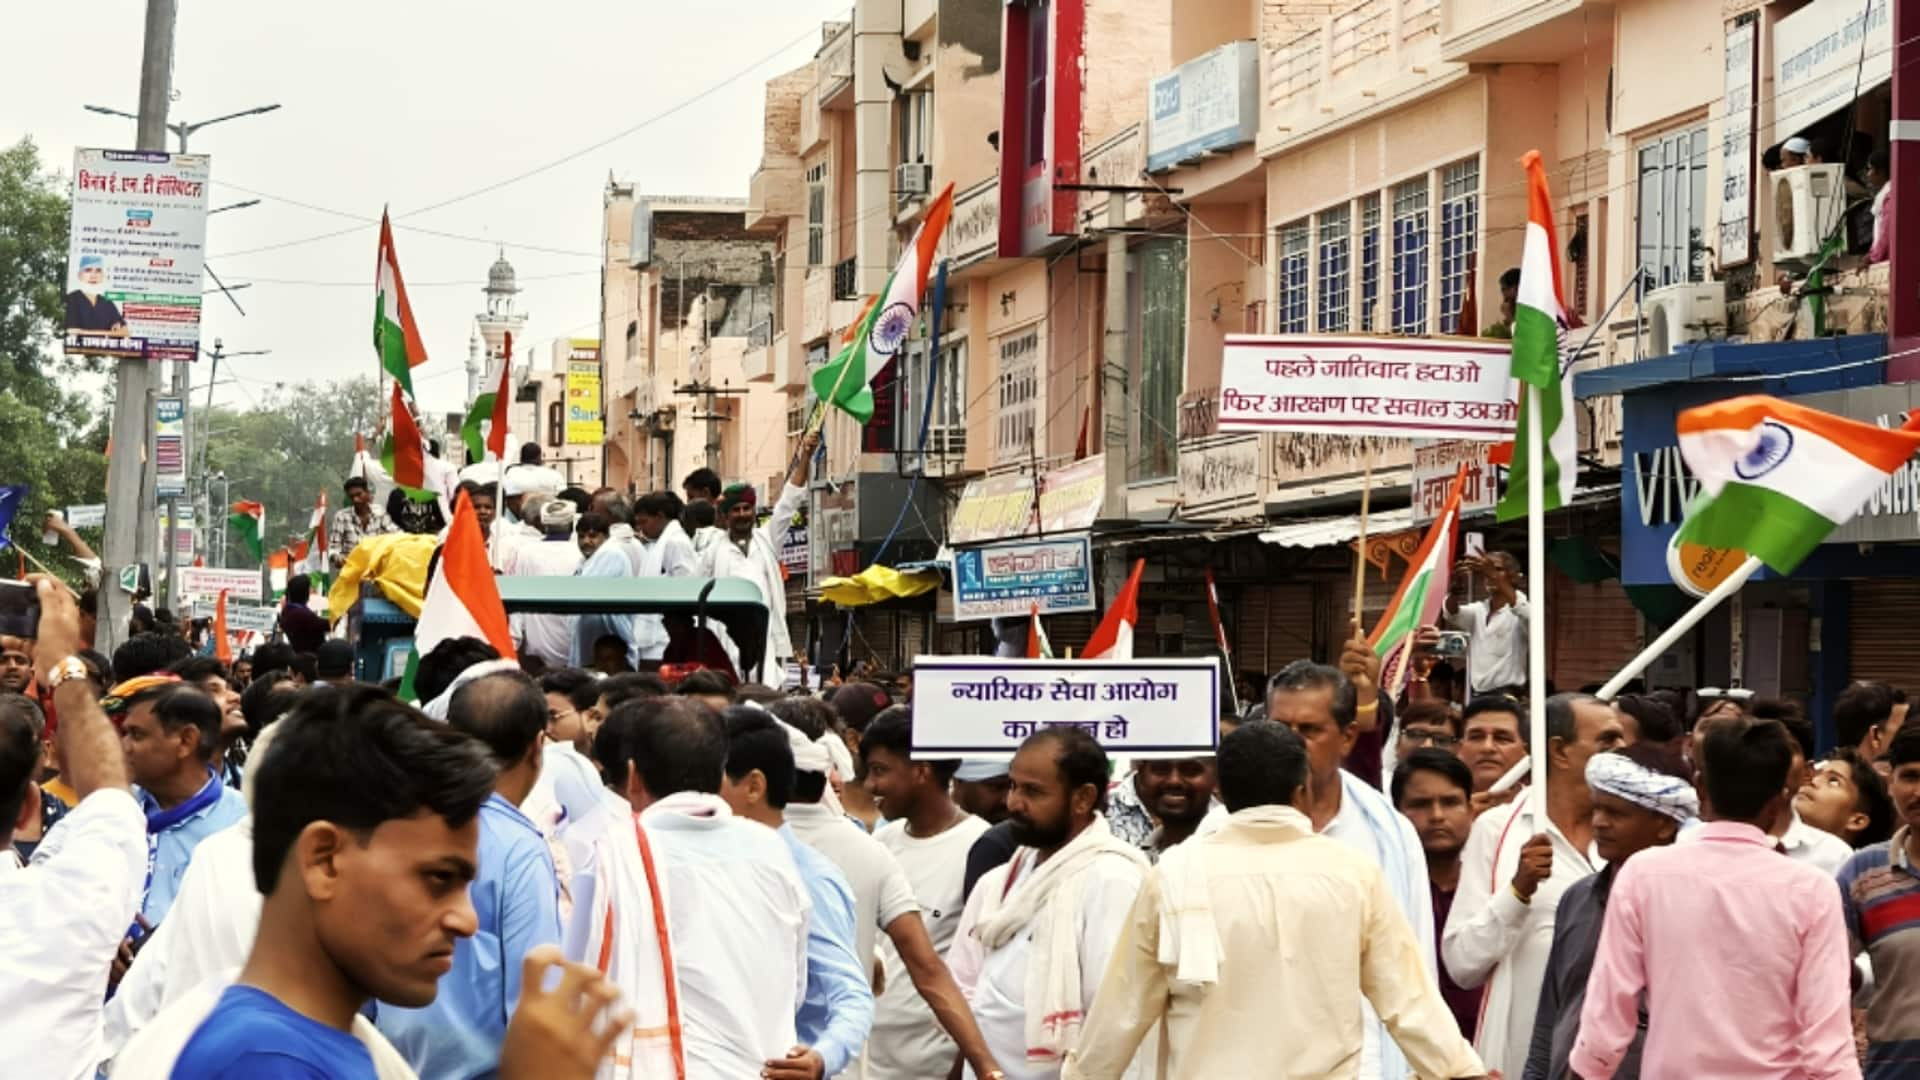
70, 668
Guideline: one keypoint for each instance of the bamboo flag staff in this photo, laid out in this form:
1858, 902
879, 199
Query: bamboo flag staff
1360, 546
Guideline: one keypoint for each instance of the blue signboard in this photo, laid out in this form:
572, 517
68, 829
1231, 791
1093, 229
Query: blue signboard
1009, 579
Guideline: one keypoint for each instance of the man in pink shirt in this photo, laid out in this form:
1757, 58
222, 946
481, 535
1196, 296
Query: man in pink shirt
1742, 952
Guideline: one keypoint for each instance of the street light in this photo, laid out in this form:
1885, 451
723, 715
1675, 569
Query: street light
182, 130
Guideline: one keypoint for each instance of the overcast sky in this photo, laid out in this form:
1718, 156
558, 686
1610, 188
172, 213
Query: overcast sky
408, 103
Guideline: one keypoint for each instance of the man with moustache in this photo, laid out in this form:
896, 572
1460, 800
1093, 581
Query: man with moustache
1493, 738
1433, 789
1642, 797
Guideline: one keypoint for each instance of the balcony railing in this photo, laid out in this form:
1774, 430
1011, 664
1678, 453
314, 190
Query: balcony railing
845, 281
1358, 33
760, 334
1293, 68
1364, 43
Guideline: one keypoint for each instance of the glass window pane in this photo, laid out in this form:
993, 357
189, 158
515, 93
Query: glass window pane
1291, 296
1335, 235
1369, 262
1410, 257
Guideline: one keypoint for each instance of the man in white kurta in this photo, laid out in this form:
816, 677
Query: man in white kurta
1500, 931
549, 637
752, 553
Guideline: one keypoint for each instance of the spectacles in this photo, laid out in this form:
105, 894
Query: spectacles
1444, 740
1714, 693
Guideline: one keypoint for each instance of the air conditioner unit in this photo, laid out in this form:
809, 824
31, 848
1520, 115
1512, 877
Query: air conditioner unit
1804, 210
1679, 314
912, 178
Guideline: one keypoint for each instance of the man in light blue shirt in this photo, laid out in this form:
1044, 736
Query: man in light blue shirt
168, 734
837, 1012
515, 892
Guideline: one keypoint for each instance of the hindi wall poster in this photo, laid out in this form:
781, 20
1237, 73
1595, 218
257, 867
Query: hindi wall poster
169, 447
135, 252
1009, 579
1389, 388
1434, 463
586, 426
985, 707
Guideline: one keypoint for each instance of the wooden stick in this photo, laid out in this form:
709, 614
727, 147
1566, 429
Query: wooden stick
1360, 549
42, 567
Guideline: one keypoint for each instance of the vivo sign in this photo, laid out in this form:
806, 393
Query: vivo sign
1208, 103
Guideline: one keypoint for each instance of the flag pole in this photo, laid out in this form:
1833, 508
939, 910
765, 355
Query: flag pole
1680, 627
1537, 583
1360, 547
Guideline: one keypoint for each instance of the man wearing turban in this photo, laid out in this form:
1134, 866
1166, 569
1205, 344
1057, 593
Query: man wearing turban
751, 552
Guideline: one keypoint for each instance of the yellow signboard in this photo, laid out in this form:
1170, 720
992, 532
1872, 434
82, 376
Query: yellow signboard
585, 424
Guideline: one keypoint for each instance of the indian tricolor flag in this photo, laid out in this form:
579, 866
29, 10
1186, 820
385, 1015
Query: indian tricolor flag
1113, 638
312, 557
1421, 592
1539, 321
405, 454
490, 407
847, 382
395, 337
1776, 478
249, 523
1038, 647
462, 599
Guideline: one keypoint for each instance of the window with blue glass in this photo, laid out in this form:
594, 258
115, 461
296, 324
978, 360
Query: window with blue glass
1290, 303
1459, 238
1369, 262
1409, 314
1335, 246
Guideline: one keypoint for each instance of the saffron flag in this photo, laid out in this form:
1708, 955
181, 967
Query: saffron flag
1776, 478
1540, 324
1038, 647
249, 522
1113, 638
395, 337
490, 406
405, 454
462, 599
846, 382
1417, 602
222, 646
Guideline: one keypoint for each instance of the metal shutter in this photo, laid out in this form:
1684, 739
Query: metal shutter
1274, 626
1880, 631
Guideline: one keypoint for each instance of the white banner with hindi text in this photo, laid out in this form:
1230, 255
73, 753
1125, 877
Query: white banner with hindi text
984, 707
1385, 387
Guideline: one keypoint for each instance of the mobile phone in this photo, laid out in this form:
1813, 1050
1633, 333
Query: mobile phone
1451, 645
19, 609
1476, 544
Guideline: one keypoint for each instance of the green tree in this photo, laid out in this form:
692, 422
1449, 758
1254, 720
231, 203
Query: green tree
51, 438
294, 444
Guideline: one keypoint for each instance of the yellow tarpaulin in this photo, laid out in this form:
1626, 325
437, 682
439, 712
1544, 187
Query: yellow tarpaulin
397, 562
878, 583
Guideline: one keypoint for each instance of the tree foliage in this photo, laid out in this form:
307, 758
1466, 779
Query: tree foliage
51, 437
289, 447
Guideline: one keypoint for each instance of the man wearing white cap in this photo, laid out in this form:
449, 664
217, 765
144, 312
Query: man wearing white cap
882, 900
1795, 152
550, 637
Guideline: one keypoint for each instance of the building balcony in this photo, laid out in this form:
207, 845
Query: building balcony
1373, 52
1519, 31
757, 359
775, 193
816, 302
835, 64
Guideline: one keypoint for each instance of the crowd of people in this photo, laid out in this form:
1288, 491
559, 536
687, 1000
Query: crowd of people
561, 866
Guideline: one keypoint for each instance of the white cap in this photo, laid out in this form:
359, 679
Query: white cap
808, 756
1797, 145
974, 770
558, 514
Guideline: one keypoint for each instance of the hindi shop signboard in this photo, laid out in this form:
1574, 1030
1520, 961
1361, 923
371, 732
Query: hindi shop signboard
1389, 388
134, 254
585, 424
1009, 579
1002, 507
1434, 464
207, 583
984, 707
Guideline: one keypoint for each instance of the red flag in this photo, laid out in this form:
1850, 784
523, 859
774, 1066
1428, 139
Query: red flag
502, 397
406, 455
222, 647
1113, 638
1080, 446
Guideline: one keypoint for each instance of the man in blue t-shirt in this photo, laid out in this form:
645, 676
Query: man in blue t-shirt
365, 835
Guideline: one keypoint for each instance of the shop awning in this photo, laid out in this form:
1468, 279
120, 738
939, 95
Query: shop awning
1328, 531
1831, 363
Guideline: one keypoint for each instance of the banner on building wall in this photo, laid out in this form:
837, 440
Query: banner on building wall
1004, 507
1009, 579
1412, 387
1823, 55
1736, 152
1434, 463
134, 254
974, 706
586, 424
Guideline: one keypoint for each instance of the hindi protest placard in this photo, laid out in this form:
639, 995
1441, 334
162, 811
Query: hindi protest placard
985, 707
90, 516
1390, 388
1009, 579
260, 620
134, 254
206, 583
1434, 463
